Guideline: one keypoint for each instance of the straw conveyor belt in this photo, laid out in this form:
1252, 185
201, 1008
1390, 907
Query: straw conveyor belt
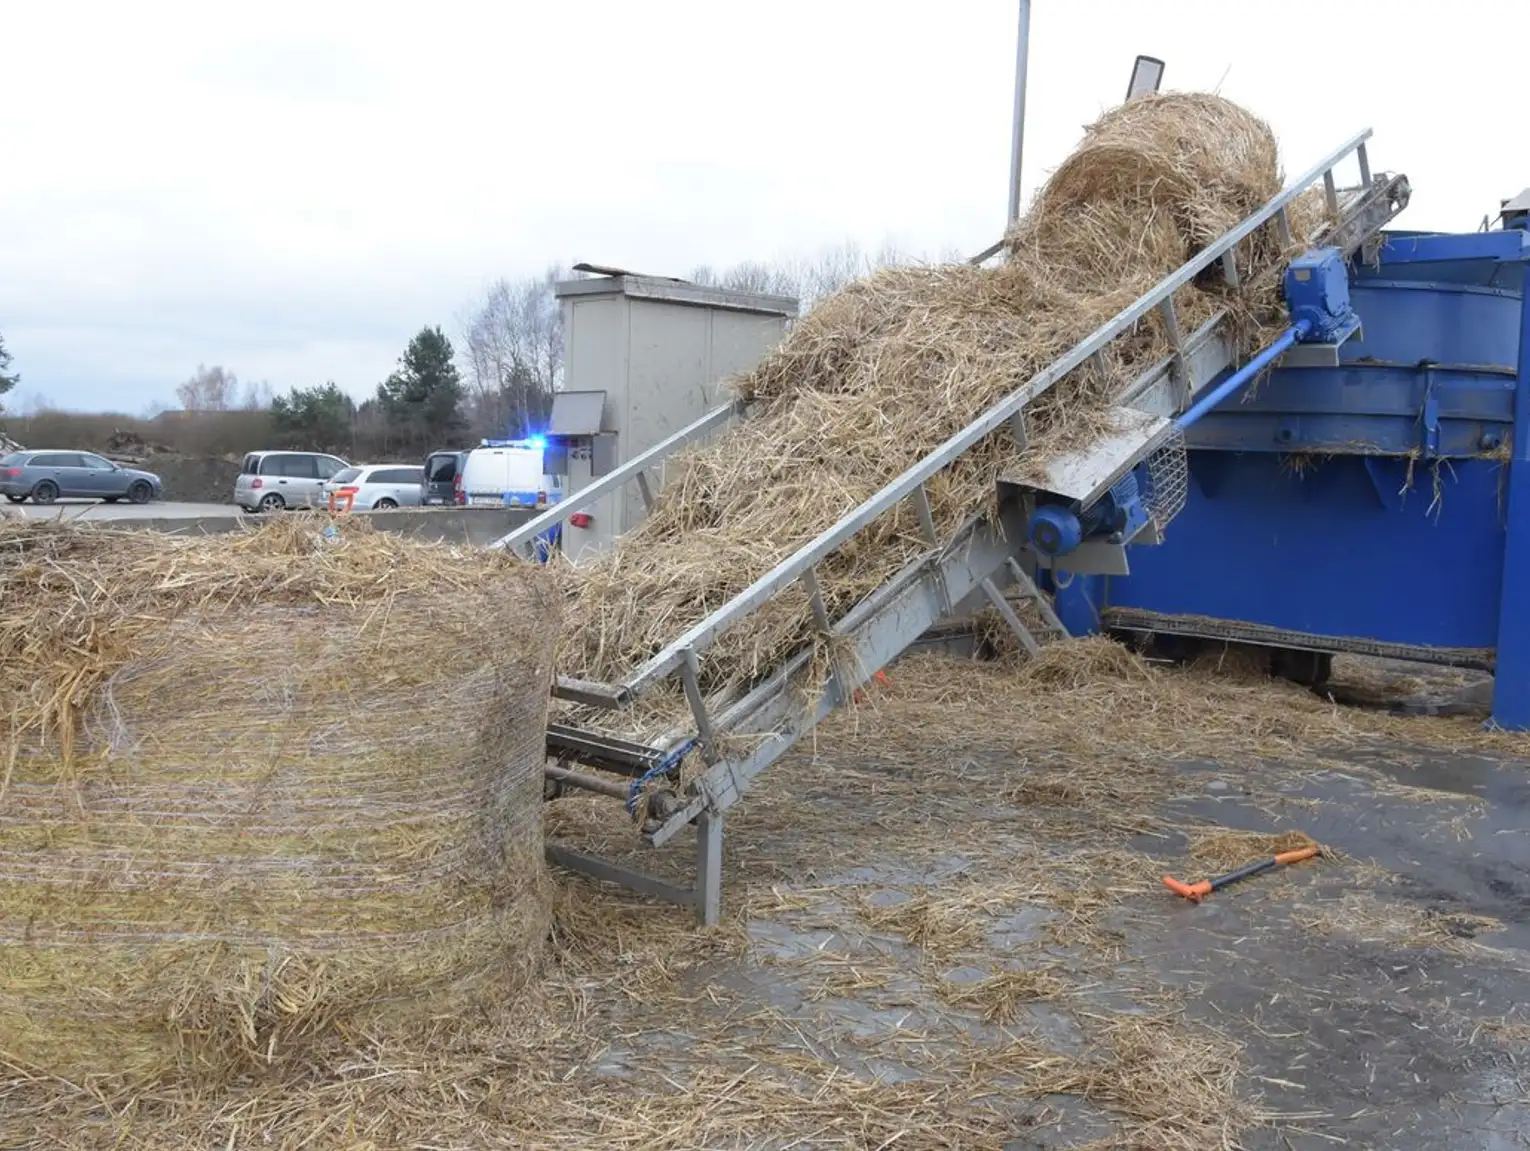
977, 562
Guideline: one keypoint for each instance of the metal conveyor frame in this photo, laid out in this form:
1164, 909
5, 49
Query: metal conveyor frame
896, 615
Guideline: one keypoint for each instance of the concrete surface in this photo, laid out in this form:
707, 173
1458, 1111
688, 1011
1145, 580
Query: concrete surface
1378, 999
475, 526
96, 510
1383, 1042
1351, 1037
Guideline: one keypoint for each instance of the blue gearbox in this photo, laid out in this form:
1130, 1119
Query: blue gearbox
1317, 294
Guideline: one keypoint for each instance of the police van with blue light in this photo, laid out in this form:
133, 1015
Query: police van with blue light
507, 473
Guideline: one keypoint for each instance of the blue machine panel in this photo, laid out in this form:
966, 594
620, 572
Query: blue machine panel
1304, 513
1379, 407
1407, 321
1490, 259
1335, 550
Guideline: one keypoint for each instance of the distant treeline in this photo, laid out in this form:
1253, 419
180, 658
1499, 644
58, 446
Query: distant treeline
498, 381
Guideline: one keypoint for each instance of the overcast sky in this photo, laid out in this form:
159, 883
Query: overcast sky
292, 190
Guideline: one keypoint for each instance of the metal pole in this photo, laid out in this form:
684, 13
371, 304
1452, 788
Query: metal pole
621, 791
1022, 51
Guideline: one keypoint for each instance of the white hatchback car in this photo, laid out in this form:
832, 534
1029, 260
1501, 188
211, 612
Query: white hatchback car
377, 486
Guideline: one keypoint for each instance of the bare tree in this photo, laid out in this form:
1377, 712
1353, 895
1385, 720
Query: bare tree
257, 396
211, 390
33, 404
808, 280
780, 279
512, 351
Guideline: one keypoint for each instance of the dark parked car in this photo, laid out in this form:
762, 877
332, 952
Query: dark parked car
44, 476
443, 470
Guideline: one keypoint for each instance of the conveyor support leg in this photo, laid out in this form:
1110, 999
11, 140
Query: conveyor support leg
709, 855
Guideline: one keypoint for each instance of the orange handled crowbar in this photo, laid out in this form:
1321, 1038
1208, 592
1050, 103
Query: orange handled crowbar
1195, 892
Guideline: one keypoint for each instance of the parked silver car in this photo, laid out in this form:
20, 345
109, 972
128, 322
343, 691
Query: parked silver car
45, 476
378, 486
271, 481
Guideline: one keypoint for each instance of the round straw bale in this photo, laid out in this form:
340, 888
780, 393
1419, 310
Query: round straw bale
1183, 167
261, 793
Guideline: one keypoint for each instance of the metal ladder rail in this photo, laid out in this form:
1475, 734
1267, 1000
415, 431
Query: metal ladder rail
723, 782
633, 471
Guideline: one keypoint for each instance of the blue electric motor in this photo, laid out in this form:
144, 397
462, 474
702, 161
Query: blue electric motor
1055, 529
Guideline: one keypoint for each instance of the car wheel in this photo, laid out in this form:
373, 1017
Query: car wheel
15, 499
272, 503
140, 492
384, 504
45, 492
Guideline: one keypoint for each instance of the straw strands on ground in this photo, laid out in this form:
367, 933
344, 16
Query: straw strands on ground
1224, 850
247, 806
830, 1014
1363, 915
1179, 1087
1092, 707
878, 375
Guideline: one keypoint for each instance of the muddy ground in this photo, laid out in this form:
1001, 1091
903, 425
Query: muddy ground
958, 910
946, 927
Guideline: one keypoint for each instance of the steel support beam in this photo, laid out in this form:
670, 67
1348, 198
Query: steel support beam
709, 867
704, 897
627, 877
1511, 679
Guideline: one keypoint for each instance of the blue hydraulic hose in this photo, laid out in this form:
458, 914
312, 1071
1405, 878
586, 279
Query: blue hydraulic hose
1244, 374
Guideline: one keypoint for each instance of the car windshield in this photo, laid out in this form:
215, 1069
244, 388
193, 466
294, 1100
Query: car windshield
344, 475
12, 460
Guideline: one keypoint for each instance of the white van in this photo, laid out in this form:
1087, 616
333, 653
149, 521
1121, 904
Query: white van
505, 473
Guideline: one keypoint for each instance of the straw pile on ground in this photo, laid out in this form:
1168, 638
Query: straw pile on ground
881, 373
260, 792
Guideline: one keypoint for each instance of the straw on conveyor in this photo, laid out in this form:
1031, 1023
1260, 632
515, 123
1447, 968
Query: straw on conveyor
881, 373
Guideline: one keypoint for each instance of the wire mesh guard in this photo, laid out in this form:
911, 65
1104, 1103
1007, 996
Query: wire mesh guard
1168, 479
